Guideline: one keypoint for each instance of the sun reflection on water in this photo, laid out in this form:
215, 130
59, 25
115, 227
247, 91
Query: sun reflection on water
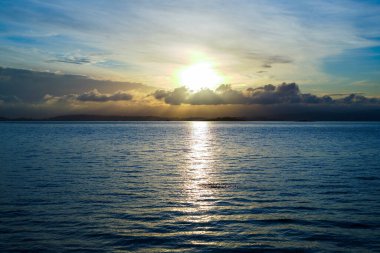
198, 172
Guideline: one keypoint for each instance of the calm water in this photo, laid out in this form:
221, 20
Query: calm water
190, 186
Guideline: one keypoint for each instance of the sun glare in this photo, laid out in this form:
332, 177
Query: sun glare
199, 76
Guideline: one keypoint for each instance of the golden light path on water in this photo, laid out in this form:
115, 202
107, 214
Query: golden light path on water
201, 187
198, 172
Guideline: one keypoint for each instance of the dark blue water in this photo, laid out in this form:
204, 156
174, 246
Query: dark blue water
182, 186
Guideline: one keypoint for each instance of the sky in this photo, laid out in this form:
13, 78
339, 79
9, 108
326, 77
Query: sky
137, 54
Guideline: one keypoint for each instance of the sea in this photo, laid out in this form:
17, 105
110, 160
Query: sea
190, 186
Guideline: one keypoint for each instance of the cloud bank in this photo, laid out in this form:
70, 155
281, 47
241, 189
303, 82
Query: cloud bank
285, 93
30, 94
32, 86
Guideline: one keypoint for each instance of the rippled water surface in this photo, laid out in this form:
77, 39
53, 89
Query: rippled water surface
190, 186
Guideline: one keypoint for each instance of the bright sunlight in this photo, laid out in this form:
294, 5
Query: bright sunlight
199, 76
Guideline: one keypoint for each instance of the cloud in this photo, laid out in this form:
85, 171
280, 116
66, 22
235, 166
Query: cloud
269, 102
205, 97
23, 94
96, 96
176, 97
32, 86
90, 96
82, 58
270, 60
285, 93
72, 60
358, 99
9, 99
238, 35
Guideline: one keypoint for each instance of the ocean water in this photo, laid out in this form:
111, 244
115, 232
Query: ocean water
190, 187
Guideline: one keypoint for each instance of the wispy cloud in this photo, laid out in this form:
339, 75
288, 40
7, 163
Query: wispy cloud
72, 60
290, 40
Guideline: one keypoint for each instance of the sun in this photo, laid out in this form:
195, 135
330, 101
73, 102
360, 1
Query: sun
200, 76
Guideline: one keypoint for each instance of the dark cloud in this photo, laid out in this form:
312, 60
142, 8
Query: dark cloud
269, 61
285, 93
32, 86
96, 96
358, 99
205, 97
175, 97
279, 59
226, 93
90, 96
270, 94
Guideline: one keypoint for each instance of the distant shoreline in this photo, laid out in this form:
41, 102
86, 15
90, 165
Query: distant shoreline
104, 118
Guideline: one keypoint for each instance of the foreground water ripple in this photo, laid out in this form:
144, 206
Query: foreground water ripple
190, 186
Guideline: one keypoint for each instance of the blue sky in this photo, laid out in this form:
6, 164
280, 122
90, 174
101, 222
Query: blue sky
324, 46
